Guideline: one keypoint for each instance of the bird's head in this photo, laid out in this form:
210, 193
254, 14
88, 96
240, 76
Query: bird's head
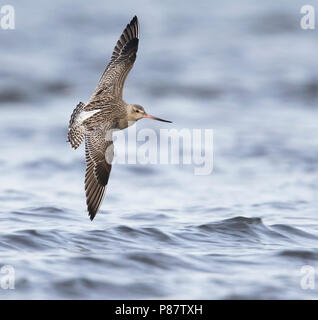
137, 112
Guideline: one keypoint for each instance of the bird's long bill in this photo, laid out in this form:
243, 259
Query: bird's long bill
155, 118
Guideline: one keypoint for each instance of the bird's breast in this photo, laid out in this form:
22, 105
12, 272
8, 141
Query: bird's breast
124, 123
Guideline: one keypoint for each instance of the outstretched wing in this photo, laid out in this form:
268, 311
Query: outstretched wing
122, 60
99, 151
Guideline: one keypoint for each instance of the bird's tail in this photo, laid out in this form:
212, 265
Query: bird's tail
76, 130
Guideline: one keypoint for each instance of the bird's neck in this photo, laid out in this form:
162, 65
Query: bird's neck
128, 120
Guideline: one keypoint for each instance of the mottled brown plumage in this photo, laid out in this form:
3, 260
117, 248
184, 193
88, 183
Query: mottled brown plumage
106, 111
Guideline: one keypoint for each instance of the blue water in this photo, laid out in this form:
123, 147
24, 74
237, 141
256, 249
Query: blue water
244, 69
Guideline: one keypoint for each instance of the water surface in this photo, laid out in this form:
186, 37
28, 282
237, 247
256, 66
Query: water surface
246, 70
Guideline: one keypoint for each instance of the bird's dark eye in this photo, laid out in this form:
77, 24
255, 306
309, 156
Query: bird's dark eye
137, 110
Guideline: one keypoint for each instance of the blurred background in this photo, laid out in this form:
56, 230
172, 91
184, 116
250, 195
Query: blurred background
245, 69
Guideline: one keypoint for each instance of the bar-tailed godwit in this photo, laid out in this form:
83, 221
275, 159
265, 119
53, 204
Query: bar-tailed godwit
106, 111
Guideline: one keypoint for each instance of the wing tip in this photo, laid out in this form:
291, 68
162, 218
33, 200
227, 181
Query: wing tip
92, 211
93, 208
94, 201
91, 215
134, 22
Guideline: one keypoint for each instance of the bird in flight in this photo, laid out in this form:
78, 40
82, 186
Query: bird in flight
106, 111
